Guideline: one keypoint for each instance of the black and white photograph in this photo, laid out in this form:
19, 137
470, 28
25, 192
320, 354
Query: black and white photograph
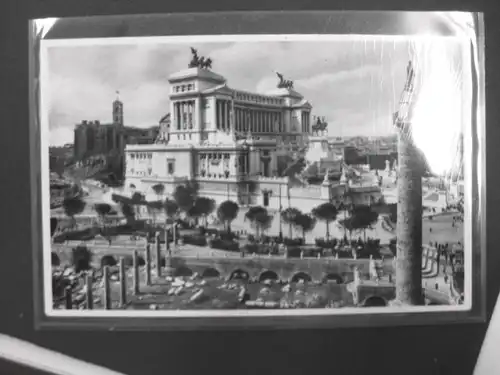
256, 175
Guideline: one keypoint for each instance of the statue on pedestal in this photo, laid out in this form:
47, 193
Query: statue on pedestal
284, 83
199, 61
326, 180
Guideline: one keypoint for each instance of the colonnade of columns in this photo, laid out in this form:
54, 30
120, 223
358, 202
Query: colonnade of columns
184, 114
306, 123
223, 111
258, 121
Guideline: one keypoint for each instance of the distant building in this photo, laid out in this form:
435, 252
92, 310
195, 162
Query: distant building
93, 138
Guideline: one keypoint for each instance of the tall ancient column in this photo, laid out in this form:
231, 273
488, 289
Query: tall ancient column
409, 210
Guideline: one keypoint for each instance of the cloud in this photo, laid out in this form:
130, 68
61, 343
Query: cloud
326, 79
354, 82
61, 136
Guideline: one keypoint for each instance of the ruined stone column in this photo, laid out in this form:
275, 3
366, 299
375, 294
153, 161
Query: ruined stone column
158, 253
89, 294
148, 264
136, 273
123, 283
68, 298
107, 289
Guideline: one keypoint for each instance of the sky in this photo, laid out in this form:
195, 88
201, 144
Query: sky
355, 82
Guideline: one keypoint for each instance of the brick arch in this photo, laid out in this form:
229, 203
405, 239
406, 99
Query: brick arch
210, 272
301, 275
374, 301
239, 274
268, 275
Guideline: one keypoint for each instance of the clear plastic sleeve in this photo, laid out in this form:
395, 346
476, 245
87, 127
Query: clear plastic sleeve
345, 150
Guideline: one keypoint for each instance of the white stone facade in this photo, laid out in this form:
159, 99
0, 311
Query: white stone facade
219, 134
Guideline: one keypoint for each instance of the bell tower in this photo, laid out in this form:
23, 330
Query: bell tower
118, 110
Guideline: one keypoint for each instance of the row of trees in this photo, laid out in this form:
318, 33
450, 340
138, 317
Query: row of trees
186, 203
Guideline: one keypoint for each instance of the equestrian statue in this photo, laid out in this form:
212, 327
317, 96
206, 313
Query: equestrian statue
284, 83
199, 61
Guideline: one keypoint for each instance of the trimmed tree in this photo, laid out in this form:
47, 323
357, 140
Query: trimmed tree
203, 207
159, 190
73, 206
326, 212
306, 223
103, 210
263, 222
185, 196
289, 216
362, 217
257, 216
227, 212
128, 211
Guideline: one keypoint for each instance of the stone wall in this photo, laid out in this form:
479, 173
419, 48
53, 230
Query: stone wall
285, 269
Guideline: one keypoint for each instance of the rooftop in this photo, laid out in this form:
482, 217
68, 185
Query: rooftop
197, 72
285, 92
